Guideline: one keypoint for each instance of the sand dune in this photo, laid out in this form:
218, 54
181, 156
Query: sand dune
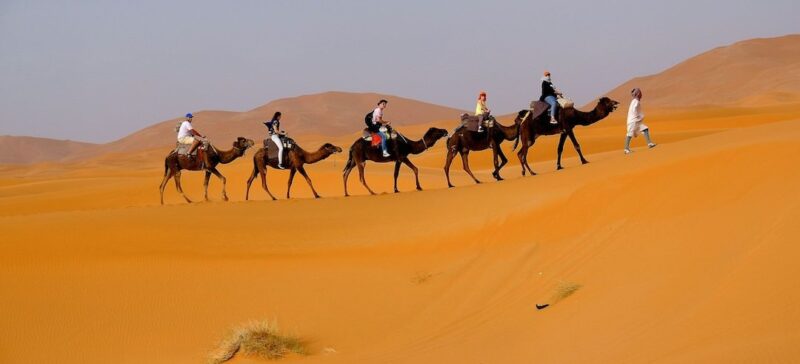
755, 71
329, 113
683, 253
24, 150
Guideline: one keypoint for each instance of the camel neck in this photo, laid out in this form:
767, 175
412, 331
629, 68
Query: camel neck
509, 132
419, 146
591, 117
227, 156
316, 156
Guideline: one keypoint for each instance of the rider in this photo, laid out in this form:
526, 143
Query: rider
550, 95
481, 110
274, 126
186, 134
381, 126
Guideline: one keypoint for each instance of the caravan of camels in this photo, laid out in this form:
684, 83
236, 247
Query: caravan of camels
381, 144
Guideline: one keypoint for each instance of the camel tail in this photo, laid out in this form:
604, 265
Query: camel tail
350, 163
521, 114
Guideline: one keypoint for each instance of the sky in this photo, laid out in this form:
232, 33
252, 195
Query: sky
98, 70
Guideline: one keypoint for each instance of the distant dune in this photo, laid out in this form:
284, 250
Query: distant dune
23, 149
329, 113
756, 71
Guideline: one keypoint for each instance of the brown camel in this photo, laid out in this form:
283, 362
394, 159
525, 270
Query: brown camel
568, 118
464, 141
174, 163
401, 148
295, 160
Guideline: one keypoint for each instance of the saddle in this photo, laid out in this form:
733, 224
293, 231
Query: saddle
375, 138
538, 108
199, 154
471, 122
272, 149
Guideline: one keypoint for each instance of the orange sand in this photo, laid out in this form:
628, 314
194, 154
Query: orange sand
683, 253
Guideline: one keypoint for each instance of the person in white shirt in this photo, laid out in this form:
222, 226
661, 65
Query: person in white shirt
186, 134
381, 126
635, 122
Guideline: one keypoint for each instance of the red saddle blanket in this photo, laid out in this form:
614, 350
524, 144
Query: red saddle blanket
376, 140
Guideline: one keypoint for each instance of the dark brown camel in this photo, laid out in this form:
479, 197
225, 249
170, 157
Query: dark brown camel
464, 141
295, 160
174, 163
401, 148
568, 118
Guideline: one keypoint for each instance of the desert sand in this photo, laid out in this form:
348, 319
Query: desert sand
682, 253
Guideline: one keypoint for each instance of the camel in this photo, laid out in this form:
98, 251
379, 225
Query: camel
464, 141
174, 163
295, 160
361, 152
568, 118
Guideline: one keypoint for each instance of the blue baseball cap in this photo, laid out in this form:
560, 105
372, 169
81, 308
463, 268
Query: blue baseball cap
189, 115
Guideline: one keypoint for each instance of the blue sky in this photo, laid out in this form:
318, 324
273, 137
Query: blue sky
98, 70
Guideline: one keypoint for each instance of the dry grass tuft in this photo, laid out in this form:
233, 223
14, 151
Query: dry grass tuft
421, 277
564, 290
256, 338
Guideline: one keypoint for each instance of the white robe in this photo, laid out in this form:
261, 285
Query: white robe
635, 118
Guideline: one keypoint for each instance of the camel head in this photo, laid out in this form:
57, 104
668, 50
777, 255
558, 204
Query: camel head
606, 104
243, 143
436, 133
330, 148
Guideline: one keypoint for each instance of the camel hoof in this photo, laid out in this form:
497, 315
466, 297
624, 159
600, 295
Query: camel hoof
559, 168
316, 196
274, 199
396, 191
584, 161
419, 188
450, 186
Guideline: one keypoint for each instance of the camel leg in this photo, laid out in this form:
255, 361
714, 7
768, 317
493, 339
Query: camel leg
576, 145
264, 182
415, 169
450, 155
528, 166
497, 152
291, 178
465, 162
563, 138
361, 166
302, 171
348, 168
167, 175
223, 179
396, 173
250, 181
206, 178
178, 186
